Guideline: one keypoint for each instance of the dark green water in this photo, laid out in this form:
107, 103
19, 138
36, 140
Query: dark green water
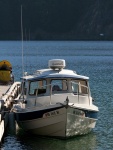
93, 59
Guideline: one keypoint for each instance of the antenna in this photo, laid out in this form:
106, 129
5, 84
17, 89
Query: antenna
22, 43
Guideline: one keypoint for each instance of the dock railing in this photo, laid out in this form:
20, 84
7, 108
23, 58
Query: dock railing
12, 93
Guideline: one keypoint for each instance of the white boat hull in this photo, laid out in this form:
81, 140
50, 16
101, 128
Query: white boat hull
61, 122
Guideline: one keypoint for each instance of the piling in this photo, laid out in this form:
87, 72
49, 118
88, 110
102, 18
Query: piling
11, 123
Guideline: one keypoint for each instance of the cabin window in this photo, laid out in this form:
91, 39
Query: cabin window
59, 85
37, 87
79, 86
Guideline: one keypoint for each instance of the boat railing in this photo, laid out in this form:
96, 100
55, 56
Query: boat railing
78, 93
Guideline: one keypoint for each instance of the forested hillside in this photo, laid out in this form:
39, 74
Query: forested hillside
57, 19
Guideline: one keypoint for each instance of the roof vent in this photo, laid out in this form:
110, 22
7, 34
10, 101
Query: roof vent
57, 64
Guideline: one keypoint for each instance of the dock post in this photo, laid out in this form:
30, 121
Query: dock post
11, 123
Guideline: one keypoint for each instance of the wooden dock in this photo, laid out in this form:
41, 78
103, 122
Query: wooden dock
3, 89
7, 94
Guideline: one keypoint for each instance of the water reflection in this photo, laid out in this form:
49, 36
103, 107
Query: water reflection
12, 143
24, 141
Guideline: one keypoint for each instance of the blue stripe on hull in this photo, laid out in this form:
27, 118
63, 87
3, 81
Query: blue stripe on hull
91, 114
23, 116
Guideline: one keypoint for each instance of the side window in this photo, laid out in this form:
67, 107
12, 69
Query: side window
32, 87
37, 87
59, 85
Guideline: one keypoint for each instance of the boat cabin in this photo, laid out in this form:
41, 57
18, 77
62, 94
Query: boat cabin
54, 85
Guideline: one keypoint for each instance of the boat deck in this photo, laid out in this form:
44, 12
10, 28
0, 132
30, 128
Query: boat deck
3, 89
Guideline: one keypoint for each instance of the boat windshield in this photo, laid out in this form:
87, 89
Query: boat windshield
59, 85
79, 86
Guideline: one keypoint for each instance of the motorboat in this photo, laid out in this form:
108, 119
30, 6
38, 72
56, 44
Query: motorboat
55, 102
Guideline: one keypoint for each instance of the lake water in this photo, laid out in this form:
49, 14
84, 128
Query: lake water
90, 58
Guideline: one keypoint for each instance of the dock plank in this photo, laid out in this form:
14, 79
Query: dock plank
3, 89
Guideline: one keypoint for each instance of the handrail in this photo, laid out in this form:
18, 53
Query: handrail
43, 87
82, 86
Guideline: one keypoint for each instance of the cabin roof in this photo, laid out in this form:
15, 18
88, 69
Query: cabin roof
50, 73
